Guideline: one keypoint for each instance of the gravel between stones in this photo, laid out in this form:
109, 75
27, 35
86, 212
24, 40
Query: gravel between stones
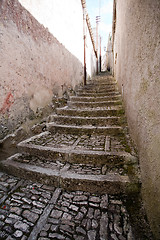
72, 215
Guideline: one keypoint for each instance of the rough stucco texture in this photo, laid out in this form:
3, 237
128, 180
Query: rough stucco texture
64, 19
137, 69
34, 65
109, 53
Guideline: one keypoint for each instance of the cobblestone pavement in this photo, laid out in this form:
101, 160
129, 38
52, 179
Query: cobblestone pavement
35, 211
86, 169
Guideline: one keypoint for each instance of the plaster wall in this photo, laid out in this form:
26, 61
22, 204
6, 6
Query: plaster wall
109, 55
137, 70
34, 68
64, 19
90, 56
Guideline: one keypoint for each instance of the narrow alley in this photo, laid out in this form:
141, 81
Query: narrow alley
80, 120
81, 173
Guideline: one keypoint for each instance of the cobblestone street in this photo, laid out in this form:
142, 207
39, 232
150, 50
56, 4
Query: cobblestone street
35, 211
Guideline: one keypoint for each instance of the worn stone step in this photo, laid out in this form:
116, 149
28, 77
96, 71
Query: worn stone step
93, 149
94, 94
96, 90
93, 104
97, 79
98, 87
105, 81
95, 99
68, 178
101, 83
84, 129
91, 112
77, 120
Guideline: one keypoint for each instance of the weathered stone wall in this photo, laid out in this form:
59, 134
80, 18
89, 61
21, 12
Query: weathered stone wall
35, 67
137, 69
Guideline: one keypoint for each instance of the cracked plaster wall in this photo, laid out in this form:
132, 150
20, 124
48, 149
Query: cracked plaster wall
137, 70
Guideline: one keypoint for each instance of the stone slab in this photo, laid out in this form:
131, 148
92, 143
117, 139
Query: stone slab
109, 183
95, 99
89, 112
78, 120
111, 130
91, 94
74, 155
93, 104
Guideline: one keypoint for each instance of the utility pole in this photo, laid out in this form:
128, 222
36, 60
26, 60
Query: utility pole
98, 18
97, 22
84, 40
100, 57
100, 40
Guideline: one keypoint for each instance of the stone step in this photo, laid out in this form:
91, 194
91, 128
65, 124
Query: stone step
98, 87
93, 104
100, 84
96, 90
91, 94
108, 80
91, 112
94, 121
93, 149
95, 99
68, 177
84, 129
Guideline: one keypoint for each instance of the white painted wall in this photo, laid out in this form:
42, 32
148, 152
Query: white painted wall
90, 56
109, 55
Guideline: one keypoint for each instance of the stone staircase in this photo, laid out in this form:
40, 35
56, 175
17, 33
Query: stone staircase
85, 147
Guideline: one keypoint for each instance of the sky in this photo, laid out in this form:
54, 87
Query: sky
104, 8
